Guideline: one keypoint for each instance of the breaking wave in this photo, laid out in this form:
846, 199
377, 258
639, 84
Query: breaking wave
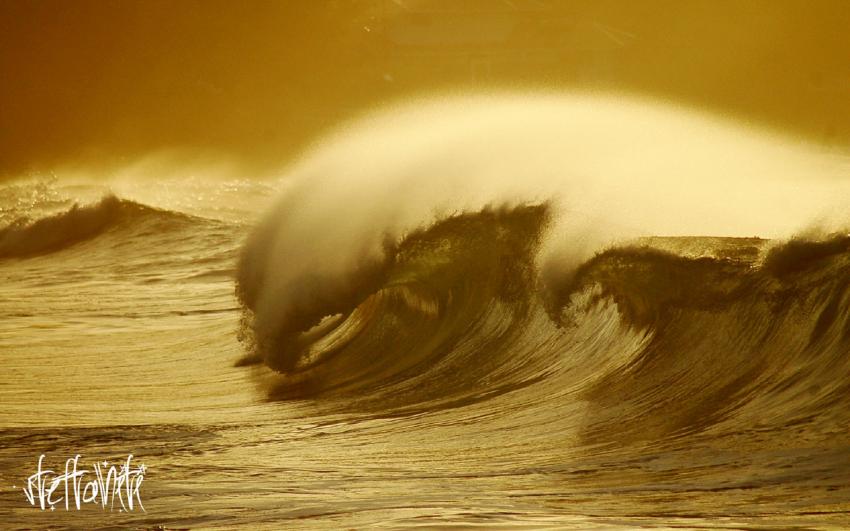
656, 342
402, 292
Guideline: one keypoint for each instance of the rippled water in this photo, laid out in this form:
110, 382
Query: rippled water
126, 342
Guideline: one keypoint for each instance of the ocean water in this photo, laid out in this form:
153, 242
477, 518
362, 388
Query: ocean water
299, 355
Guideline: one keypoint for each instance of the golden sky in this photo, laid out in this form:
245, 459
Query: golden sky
103, 82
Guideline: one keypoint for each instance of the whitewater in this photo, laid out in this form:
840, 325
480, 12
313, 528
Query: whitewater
533, 310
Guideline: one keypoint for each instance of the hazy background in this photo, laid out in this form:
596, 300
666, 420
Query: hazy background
101, 83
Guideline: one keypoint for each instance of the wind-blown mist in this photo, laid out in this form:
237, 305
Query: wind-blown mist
609, 167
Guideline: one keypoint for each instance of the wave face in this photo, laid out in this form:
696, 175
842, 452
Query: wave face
733, 346
657, 343
468, 272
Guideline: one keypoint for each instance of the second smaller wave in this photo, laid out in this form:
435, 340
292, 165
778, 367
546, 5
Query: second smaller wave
25, 237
